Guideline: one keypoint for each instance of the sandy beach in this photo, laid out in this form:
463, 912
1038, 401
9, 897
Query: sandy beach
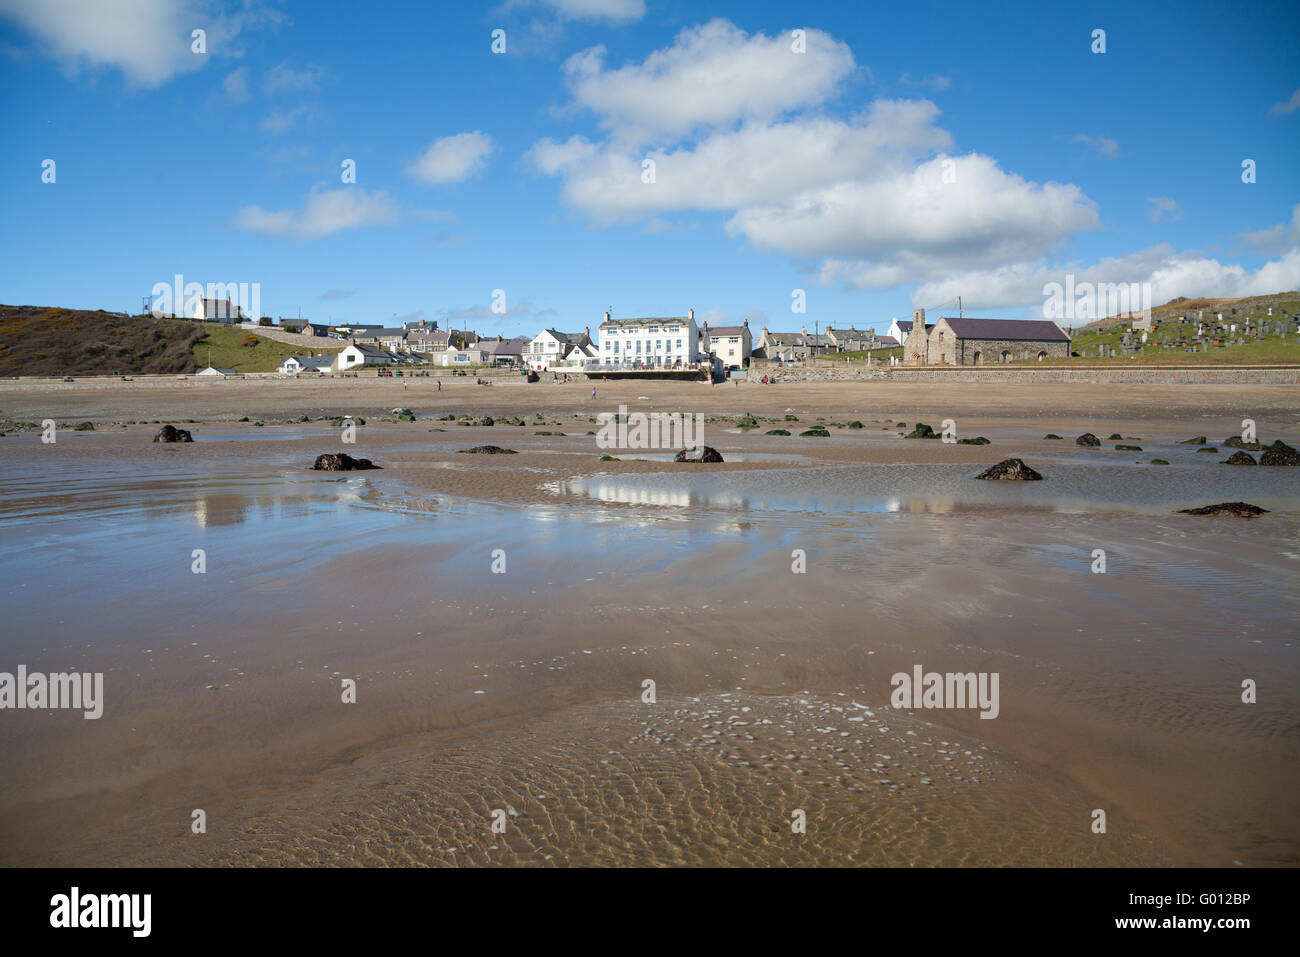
500, 616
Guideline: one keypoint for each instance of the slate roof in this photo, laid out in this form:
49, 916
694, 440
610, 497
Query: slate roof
1035, 330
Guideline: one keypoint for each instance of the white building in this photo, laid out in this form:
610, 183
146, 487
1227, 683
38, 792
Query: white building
293, 365
473, 356
220, 310
651, 343
730, 345
354, 356
550, 348
217, 372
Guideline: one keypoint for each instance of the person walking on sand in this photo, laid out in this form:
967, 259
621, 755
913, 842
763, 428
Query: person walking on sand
593, 392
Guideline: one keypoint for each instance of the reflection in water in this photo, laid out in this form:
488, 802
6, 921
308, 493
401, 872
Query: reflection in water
941, 489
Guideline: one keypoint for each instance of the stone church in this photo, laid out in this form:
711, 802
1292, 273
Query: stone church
975, 342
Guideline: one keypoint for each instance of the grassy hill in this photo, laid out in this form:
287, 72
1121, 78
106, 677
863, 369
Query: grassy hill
1170, 326
1247, 306
244, 350
49, 341
45, 341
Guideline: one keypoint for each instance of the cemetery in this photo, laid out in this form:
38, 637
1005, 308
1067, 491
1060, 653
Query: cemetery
1252, 332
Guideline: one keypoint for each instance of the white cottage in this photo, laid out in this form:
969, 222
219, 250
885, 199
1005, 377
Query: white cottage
355, 356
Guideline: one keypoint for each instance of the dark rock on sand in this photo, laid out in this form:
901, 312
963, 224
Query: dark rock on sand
1051, 435
1199, 440
341, 462
778, 431
1010, 470
922, 431
1239, 458
817, 433
978, 440
1159, 462
1279, 453
704, 454
1128, 448
1237, 442
1115, 437
1088, 439
488, 450
169, 433
1234, 509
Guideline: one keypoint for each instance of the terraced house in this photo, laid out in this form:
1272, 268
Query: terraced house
646, 343
730, 345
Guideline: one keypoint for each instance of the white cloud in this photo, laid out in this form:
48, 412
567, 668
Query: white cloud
869, 197
711, 75
756, 164
1162, 207
1287, 106
327, 211
452, 158
280, 121
613, 11
1104, 145
236, 85
934, 81
1171, 274
148, 40
283, 78
1277, 238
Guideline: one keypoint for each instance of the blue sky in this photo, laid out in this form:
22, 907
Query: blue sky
902, 159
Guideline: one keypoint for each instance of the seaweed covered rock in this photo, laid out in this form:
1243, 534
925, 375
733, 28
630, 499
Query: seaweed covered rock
922, 431
1088, 439
1237, 442
1010, 470
1239, 458
978, 440
1279, 453
702, 455
816, 433
1199, 440
488, 450
1233, 509
341, 462
169, 433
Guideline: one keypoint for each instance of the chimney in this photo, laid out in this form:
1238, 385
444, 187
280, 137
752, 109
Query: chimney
803, 330
607, 315
746, 323
690, 313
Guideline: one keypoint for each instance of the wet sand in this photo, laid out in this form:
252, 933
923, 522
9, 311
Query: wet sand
522, 691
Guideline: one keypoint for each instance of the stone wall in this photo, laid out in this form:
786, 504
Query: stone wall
824, 371
990, 350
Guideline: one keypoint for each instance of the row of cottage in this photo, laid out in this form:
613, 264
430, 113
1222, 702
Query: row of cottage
676, 343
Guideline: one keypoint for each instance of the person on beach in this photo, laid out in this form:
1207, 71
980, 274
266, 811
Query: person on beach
593, 392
